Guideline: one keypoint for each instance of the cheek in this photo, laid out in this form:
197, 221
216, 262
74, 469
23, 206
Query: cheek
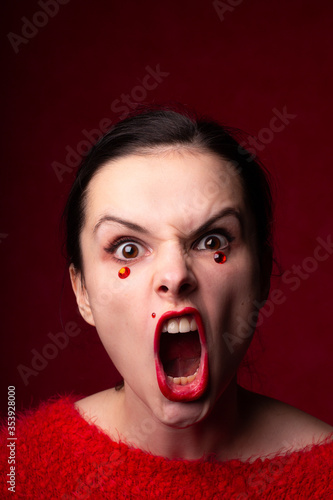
105, 291
235, 277
110, 287
118, 314
233, 295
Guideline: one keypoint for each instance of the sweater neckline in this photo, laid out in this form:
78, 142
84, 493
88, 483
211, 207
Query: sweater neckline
90, 425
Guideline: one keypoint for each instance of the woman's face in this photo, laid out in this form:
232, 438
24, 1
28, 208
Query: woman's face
177, 327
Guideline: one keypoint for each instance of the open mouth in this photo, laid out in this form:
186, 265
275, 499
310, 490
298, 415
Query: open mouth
181, 355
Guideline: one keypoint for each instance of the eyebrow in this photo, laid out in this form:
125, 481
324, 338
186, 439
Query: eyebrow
226, 212
118, 220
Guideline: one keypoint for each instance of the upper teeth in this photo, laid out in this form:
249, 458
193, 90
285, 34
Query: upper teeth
180, 325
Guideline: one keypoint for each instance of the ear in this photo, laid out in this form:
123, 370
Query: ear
81, 294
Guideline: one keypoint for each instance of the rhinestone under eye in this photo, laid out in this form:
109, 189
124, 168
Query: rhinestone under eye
220, 257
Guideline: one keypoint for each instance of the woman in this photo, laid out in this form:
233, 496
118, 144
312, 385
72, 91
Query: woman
169, 244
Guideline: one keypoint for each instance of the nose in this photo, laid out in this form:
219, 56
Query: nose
174, 277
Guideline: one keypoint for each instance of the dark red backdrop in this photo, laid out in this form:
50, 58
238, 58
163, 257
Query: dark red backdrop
70, 67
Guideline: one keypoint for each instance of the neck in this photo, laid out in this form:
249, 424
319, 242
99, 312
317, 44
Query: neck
215, 434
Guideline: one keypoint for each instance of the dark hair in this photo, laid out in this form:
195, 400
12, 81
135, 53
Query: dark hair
155, 128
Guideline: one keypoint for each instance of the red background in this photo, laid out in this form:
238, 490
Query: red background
262, 55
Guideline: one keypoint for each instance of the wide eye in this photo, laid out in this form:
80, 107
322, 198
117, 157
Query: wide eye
212, 242
129, 250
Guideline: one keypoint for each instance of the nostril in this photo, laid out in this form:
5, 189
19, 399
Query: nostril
178, 290
184, 288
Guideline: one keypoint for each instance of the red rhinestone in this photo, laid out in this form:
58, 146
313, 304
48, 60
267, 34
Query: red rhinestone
153, 315
124, 272
219, 257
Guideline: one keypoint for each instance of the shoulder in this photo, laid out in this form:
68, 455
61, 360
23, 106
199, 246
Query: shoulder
277, 427
38, 444
50, 418
95, 402
97, 408
55, 446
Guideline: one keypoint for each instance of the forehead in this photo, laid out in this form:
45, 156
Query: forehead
175, 185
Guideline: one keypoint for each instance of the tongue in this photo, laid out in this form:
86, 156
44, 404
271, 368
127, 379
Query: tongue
180, 353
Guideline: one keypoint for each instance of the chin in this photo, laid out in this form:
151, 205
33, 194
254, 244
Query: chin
183, 414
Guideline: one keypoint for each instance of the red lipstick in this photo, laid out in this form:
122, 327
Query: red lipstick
168, 352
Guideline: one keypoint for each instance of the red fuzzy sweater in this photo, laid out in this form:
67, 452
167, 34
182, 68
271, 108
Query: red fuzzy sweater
58, 455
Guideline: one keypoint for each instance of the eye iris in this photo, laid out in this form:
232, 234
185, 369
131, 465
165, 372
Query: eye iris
212, 243
130, 251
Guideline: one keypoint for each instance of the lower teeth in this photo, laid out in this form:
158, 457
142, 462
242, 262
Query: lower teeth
183, 380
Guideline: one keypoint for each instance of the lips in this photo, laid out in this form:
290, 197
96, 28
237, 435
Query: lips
181, 358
